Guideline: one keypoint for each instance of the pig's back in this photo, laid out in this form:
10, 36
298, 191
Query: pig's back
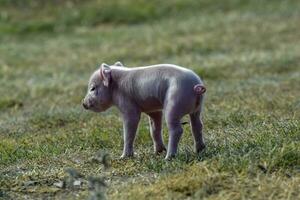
150, 84
166, 74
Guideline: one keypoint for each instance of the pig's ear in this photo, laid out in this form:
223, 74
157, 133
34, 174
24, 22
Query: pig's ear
118, 63
105, 74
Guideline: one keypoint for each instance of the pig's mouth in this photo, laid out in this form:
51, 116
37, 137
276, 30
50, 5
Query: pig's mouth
87, 105
96, 108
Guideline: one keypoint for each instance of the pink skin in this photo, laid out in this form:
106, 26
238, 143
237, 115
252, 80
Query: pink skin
154, 90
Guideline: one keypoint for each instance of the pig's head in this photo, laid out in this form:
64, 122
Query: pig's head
99, 94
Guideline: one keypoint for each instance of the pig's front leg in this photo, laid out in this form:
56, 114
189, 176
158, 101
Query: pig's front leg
130, 125
155, 120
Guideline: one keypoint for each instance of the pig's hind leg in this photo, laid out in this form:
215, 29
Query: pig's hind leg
173, 117
197, 127
155, 120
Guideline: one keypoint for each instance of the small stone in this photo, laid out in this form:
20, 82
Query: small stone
59, 184
77, 183
263, 168
73, 173
29, 183
77, 160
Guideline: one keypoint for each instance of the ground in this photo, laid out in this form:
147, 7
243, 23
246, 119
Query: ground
247, 53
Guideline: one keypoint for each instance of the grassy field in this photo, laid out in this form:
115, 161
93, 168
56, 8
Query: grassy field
247, 52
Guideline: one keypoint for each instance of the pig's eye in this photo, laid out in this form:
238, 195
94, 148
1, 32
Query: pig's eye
93, 88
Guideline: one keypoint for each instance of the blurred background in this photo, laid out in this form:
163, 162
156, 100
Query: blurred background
52, 42
246, 51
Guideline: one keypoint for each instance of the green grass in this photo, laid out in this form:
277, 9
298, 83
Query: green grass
247, 53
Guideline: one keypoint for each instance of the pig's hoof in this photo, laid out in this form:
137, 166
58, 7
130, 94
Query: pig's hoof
200, 148
126, 156
169, 157
160, 150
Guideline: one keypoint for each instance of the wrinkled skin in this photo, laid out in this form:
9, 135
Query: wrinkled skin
154, 90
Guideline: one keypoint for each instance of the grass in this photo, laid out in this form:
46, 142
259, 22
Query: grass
247, 52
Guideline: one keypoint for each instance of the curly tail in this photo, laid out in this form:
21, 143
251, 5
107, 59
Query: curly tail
199, 89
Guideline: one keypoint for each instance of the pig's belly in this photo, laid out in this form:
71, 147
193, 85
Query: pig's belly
150, 104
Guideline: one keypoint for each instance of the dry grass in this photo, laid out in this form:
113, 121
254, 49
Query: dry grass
247, 52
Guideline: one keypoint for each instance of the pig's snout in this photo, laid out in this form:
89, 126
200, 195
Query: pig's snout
85, 105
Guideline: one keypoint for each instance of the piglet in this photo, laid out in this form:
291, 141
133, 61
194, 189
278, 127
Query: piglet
154, 90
